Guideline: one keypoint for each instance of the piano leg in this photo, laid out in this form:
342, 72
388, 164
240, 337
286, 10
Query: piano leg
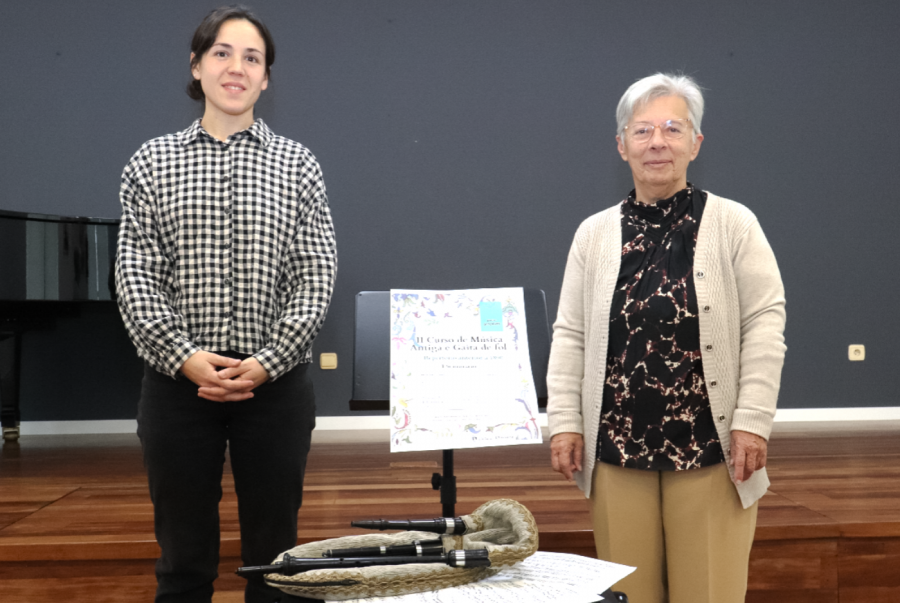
10, 352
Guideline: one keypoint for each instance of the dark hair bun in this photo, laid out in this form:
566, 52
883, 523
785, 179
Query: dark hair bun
195, 90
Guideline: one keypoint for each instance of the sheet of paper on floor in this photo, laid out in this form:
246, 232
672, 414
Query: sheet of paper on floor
542, 578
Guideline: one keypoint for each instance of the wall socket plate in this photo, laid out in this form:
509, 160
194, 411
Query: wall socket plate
328, 361
856, 352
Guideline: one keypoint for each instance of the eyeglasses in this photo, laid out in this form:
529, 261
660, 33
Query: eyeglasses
672, 129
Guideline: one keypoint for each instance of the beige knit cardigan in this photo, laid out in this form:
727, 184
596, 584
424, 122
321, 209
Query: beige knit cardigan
741, 303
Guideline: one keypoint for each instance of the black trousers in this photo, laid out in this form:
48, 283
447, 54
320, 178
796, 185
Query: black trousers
184, 439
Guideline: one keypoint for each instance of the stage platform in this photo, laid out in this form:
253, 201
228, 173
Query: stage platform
76, 521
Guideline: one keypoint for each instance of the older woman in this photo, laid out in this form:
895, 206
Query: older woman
666, 363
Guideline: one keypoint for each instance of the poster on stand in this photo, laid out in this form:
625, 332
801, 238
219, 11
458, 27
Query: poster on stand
460, 370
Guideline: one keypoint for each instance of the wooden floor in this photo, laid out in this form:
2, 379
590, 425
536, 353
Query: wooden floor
76, 521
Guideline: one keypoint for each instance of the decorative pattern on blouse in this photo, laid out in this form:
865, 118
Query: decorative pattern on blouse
656, 413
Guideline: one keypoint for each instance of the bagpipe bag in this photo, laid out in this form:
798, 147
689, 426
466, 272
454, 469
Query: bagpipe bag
504, 527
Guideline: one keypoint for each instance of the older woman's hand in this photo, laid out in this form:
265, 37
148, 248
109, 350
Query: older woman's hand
566, 452
748, 454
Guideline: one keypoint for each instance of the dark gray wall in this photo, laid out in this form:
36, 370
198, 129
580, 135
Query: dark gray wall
463, 142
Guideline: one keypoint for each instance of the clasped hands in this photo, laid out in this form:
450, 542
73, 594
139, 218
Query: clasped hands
223, 379
748, 454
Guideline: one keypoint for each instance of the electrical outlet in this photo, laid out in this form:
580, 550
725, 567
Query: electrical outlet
328, 361
856, 352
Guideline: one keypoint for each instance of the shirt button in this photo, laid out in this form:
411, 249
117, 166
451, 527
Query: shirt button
701, 274
226, 178
706, 308
227, 282
721, 418
227, 211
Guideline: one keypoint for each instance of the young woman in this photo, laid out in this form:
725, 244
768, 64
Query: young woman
226, 263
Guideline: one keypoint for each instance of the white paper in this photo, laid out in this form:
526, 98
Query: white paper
460, 370
542, 578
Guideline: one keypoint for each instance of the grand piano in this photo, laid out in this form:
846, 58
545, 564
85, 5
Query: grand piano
48, 266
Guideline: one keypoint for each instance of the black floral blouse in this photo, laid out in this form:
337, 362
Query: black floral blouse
656, 413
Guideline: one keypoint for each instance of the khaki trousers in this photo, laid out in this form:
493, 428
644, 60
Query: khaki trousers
685, 531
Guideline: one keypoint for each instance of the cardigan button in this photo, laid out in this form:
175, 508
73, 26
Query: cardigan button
701, 274
721, 418
713, 383
708, 347
706, 308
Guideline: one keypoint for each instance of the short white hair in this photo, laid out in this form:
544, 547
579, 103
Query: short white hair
656, 86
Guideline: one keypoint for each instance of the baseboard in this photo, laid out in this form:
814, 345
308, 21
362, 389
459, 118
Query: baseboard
29, 428
870, 413
785, 415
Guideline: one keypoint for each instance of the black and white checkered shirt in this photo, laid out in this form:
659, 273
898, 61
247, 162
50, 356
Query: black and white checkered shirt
224, 246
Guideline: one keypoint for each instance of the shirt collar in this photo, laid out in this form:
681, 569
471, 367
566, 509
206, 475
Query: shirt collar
663, 211
259, 130
663, 205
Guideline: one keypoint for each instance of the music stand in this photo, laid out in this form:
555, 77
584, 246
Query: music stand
372, 366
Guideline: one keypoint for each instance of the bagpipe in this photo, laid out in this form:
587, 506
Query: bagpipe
497, 534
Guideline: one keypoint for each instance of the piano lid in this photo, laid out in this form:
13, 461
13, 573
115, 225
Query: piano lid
56, 258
